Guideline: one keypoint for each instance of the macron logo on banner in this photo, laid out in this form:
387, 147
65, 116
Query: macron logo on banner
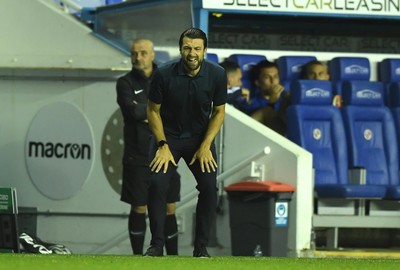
59, 150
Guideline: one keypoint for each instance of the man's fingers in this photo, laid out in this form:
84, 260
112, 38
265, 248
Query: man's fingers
206, 162
152, 163
202, 166
214, 165
207, 167
165, 167
173, 162
193, 160
157, 164
153, 167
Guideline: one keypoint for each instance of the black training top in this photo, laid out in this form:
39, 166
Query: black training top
132, 93
186, 102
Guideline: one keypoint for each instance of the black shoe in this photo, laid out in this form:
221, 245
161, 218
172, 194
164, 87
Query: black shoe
154, 251
201, 252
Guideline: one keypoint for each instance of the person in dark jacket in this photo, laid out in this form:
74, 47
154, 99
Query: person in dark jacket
132, 93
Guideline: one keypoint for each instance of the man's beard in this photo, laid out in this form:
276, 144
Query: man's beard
138, 69
189, 66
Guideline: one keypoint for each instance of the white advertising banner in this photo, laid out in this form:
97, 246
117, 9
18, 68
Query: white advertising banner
378, 8
59, 150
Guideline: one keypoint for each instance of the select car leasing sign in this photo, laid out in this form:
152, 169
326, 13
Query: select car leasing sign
356, 7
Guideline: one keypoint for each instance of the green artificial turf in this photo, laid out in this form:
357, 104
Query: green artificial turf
113, 262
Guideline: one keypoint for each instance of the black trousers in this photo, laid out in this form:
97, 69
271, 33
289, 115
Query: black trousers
206, 185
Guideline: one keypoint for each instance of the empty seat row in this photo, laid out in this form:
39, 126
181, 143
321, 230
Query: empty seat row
360, 135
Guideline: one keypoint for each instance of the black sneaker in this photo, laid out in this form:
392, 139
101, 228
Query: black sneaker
154, 251
201, 252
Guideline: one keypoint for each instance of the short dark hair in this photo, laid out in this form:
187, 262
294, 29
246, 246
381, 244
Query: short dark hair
193, 33
229, 66
256, 69
307, 66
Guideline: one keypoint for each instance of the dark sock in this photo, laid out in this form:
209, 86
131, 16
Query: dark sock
137, 231
171, 235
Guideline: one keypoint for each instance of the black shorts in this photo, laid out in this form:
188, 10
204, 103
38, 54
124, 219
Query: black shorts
135, 185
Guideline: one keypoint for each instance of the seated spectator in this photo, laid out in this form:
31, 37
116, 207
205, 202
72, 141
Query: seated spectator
317, 70
266, 96
236, 93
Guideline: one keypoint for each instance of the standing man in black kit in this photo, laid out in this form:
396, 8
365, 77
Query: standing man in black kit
132, 93
186, 109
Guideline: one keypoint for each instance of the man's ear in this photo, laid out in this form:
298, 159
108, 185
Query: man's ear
229, 79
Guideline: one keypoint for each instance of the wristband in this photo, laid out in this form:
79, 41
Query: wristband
162, 143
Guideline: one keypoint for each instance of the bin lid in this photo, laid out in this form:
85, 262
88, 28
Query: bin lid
251, 185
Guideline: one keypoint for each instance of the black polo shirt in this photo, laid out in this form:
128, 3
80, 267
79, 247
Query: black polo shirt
186, 102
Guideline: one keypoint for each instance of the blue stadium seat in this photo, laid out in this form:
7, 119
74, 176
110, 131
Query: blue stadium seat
348, 68
290, 68
316, 125
246, 61
394, 93
162, 57
371, 134
212, 57
389, 72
